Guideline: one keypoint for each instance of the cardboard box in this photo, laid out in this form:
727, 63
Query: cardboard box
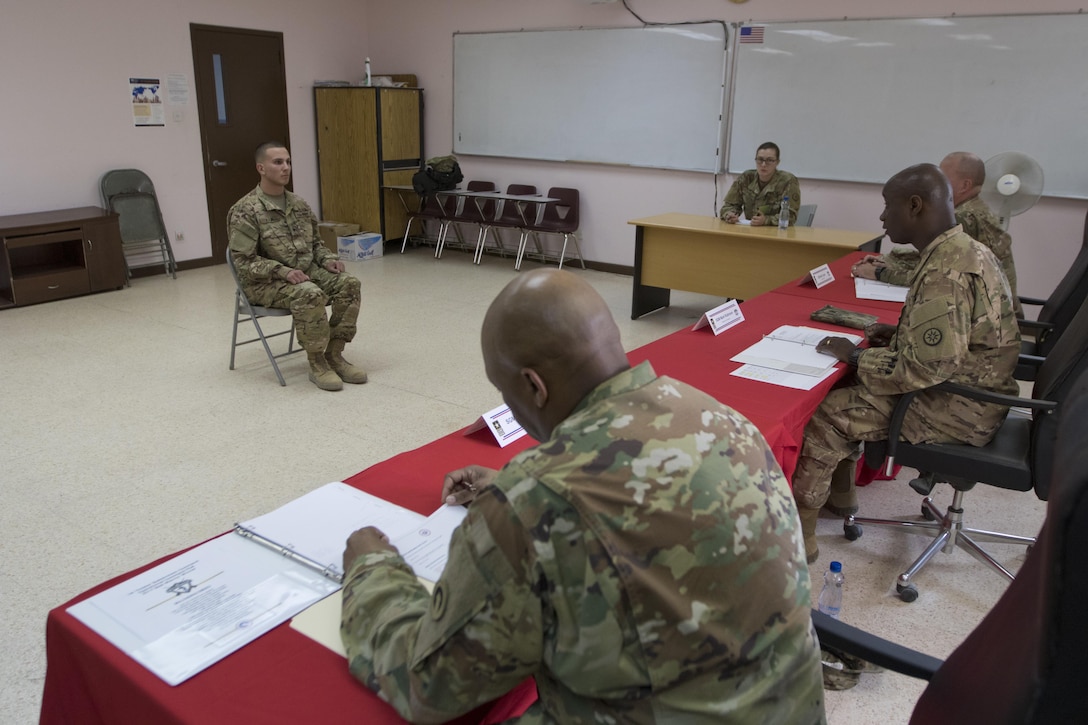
360, 247
329, 231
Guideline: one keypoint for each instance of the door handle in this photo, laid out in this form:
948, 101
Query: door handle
219, 163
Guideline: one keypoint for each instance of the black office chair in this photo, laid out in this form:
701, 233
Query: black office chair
1018, 458
1055, 314
1026, 661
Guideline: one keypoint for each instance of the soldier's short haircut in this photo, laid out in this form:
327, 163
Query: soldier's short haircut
969, 166
262, 150
770, 145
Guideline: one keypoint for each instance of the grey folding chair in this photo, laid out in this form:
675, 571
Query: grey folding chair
130, 194
244, 311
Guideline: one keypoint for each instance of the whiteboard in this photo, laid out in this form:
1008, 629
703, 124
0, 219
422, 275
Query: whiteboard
639, 96
859, 100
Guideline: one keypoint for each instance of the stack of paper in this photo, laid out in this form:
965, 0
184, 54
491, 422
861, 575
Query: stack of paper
788, 357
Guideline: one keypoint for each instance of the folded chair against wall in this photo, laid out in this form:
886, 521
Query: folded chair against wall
1026, 660
1019, 458
131, 195
559, 217
1055, 314
245, 311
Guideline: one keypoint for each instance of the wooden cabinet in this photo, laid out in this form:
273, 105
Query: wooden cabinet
56, 254
367, 138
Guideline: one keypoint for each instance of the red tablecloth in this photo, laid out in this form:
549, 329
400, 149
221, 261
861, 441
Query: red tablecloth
284, 677
840, 293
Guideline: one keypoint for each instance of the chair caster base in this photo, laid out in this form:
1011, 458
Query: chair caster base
907, 592
852, 532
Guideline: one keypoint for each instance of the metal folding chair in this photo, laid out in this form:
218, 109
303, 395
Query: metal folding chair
245, 310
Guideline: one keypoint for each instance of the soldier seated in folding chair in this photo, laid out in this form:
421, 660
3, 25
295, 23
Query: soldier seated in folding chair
282, 262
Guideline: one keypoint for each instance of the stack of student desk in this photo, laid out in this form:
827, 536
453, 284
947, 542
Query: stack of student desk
284, 677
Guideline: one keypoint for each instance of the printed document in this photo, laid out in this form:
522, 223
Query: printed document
871, 289
793, 349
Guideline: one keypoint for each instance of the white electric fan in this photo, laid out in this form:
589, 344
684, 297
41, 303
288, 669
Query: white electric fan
1014, 182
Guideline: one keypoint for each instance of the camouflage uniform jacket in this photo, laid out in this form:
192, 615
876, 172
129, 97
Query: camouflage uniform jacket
644, 564
267, 242
981, 225
748, 197
958, 325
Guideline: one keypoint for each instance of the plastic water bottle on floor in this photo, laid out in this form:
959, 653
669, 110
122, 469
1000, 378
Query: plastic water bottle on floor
784, 213
830, 601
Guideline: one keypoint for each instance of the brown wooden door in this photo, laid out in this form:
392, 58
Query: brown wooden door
241, 93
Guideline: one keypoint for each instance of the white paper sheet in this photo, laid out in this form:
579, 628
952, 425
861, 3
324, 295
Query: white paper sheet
317, 525
792, 349
781, 377
871, 289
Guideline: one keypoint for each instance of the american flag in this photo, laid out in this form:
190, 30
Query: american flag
751, 34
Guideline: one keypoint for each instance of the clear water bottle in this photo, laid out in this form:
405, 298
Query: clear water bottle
784, 213
830, 602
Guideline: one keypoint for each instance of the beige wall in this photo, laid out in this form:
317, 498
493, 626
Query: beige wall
64, 95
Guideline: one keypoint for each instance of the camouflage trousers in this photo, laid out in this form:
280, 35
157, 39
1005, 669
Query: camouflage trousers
307, 304
846, 417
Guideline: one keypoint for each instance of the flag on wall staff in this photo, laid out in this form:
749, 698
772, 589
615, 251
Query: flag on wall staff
751, 34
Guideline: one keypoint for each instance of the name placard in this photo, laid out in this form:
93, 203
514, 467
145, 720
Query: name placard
502, 425
721, 318
822, 276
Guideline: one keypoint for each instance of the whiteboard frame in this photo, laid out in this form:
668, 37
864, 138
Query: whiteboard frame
710, 154
1064, 178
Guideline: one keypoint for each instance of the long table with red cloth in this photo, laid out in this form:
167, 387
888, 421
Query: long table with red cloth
284, 677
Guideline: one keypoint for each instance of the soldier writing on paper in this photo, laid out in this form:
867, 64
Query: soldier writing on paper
642, 563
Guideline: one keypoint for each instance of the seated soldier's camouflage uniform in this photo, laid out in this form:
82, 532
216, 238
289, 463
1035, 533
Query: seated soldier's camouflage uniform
958, 325
266, 243
981, 225
644, 565
747, 197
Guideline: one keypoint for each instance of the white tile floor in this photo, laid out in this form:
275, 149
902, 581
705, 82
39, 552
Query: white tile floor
124, 437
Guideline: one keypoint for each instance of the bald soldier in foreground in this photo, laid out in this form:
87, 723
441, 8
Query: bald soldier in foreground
966, 173
957, 324
642, 563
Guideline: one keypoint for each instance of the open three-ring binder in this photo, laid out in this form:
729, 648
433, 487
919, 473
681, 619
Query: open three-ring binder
189, 612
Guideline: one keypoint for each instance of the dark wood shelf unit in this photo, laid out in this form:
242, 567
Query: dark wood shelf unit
51, 255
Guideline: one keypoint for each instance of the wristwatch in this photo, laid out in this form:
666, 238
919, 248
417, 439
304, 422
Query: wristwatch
855, 356
877, 272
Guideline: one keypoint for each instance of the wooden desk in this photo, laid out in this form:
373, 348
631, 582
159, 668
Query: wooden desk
704, 254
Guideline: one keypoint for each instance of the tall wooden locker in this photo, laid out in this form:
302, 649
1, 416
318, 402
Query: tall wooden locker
367, 138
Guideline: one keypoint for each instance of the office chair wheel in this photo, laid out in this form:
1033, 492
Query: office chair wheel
907, 592
927, 514
850, 530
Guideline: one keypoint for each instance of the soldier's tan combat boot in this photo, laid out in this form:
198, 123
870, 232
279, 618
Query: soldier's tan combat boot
808, 530
321, 374
843, 498
334, 356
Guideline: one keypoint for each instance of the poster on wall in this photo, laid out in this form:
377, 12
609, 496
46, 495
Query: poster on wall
147, 106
